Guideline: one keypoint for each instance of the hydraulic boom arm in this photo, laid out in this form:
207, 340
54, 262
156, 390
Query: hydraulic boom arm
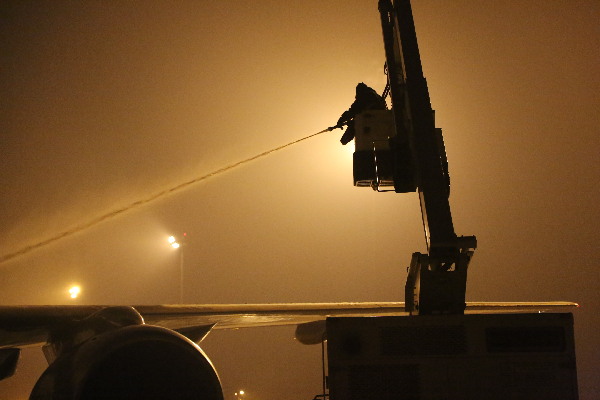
436, 282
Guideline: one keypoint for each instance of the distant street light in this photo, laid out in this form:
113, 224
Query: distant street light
179, 245
173, 242
74, 291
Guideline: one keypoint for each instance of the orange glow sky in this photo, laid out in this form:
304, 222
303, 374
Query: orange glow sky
105, 103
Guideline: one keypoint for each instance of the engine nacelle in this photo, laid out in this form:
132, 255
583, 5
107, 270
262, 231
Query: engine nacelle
132, 362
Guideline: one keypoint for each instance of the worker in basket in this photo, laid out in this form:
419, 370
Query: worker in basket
366, 99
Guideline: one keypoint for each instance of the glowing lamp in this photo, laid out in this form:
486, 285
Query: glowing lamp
173, 242
74, 292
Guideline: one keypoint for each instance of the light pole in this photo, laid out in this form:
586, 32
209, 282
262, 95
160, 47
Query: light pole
179, 245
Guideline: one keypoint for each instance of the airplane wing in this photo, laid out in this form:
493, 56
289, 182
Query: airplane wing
26, 326
150, 350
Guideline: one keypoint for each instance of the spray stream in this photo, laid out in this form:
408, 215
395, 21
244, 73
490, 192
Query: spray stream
138, 203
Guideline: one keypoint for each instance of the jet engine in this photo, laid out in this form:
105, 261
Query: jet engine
131, 362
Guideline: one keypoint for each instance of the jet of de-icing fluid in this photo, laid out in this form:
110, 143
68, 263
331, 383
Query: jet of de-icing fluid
114, 213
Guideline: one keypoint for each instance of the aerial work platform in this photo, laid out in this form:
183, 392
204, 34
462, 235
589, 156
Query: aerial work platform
373, 164
437, 352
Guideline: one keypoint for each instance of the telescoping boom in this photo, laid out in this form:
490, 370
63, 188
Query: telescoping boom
403, 148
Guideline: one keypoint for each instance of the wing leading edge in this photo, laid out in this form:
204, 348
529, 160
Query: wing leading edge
26, 326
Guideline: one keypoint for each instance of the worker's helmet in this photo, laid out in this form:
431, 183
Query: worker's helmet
361, 88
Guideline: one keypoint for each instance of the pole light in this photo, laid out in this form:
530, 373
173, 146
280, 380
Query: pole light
74, 291
174, 243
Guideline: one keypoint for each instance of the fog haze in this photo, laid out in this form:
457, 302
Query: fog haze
107, 103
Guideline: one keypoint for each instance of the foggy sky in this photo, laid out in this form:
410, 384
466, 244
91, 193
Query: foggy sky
108, 102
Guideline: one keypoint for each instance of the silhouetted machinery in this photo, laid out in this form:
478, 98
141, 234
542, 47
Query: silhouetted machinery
442, 353
462, 357
401, 150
